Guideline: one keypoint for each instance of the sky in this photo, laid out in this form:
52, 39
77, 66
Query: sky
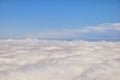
60, 19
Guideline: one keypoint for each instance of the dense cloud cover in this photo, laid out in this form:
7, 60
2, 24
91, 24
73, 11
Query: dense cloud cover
33, 59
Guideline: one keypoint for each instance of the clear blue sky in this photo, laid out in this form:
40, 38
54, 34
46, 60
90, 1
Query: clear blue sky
21, 17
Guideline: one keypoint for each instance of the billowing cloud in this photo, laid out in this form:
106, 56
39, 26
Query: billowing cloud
109, 31
33, 59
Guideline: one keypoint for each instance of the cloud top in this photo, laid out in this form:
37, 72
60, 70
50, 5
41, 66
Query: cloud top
33, 59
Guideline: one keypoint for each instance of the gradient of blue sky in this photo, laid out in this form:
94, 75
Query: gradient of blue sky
19, 17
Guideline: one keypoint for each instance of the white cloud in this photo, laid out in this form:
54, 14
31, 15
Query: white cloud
33, 59
103, 27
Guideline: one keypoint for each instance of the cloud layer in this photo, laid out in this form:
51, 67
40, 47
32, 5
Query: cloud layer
59, 60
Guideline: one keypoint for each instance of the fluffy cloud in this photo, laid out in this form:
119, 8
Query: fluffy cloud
33, 59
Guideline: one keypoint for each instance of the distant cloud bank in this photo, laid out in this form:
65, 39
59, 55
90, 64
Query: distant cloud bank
102, 32
33, 59
108, 31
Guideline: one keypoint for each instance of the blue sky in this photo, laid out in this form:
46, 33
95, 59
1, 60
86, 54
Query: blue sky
59, 19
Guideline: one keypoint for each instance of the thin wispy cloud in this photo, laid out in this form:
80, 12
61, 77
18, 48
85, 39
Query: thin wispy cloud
89, 31
104, 27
